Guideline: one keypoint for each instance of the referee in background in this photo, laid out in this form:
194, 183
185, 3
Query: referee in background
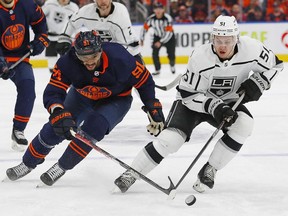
161, 23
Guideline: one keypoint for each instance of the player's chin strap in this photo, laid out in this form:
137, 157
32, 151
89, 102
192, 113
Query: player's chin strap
88, 140
242, 94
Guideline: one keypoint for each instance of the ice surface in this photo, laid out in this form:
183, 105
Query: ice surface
255, 183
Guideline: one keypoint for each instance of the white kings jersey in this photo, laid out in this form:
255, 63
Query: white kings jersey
57, 17
116, 27
207, 77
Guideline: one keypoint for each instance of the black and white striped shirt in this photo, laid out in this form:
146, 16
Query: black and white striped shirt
162, 27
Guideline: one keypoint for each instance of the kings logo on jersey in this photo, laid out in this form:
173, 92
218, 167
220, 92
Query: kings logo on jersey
59, 17
105, 35
13, 37
221, 86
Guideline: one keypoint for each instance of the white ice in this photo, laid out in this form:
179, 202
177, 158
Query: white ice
255, 183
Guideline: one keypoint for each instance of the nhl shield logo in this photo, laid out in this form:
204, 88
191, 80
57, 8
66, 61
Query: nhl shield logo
221, 86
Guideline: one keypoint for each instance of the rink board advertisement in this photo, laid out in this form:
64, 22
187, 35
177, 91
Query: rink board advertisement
274, 35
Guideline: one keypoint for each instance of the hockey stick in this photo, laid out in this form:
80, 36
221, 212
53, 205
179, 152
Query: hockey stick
208, 142
170, 85
20, 60
82, 136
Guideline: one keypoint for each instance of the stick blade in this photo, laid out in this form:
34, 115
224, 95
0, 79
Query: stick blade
172, 194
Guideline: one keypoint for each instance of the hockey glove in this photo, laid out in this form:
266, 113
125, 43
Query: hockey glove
253, 87
155, 115
63, 45
221, 111
5, 73
39, 44
62, 122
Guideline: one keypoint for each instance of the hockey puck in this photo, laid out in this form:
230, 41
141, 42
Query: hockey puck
190, 200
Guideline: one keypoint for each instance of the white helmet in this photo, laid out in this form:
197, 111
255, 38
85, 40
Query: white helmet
225, 26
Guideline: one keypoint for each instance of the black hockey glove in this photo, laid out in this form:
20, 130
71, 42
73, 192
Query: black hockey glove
39, 44
62, 122
253, 87
153, 109
5, 73
221, 111
63, 45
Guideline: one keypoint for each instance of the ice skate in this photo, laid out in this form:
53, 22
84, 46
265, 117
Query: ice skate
52, 175
125, 181
173, 70
18, 172
19, 142
157, 72
205, 179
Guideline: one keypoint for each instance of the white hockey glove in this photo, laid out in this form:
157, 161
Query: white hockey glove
153, 109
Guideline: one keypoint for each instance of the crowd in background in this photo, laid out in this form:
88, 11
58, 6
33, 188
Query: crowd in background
203, 11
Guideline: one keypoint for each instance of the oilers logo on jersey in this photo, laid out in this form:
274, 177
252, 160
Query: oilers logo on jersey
13, 36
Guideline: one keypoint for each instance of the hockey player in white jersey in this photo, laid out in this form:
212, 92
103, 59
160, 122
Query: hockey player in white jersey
216, 75
57, 14
110, 19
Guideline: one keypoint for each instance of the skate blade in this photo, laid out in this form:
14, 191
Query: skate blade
172, 194
16, 147
115, 190
199, 187
41, 185
6, 179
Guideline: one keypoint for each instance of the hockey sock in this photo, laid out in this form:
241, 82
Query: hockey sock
224, 151
74, 154
36, 152
147, 159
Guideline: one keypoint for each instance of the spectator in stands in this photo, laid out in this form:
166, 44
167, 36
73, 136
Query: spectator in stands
148, 4
200, 11
214, 14
230, 3
219, 9
249, 11
259, 15
174, 9
184, 16
189, 5
277, 14
236, 11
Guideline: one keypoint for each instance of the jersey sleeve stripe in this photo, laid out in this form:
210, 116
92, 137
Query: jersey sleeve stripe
58, 86
143, 80
59, 82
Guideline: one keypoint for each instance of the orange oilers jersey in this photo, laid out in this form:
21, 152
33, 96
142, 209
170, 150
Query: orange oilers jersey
118, 73
14, 28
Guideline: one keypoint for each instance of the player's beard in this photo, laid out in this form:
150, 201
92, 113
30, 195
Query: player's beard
7, 3
104, 8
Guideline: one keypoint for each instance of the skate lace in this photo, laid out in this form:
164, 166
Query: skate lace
19, 134
55, 171
21, 169
210, 172
127, 178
